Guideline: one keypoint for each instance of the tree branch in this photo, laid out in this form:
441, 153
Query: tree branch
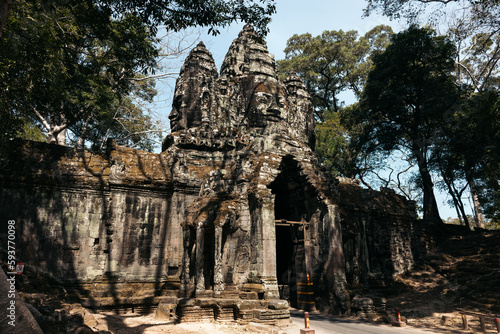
474, 80
441, 1
137, 133
157, 76
42, 120
398, 177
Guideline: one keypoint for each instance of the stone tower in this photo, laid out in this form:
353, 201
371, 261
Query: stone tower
247, 97
258, 213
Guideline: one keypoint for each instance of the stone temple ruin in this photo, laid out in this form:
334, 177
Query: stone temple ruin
235, 219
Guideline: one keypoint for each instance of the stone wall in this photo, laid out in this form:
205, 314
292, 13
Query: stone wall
117, 221
378, 234
87, 218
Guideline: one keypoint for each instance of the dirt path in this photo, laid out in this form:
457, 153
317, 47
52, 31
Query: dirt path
133, 323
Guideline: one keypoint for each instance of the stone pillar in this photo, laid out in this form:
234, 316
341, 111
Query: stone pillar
186, 261
200, 257
218, 279
268, 274
256, 254
334, 267
307, 248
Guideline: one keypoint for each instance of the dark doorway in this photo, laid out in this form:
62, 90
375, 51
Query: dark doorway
292, 210
284, 250
289, 259
209, 256
293, 194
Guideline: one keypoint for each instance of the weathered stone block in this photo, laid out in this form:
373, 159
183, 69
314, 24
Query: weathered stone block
165, 311
307, 331
276, 304
252, 287
248, 305
248, 295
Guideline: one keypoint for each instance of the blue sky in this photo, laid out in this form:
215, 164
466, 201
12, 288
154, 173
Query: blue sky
292, 17
297, 17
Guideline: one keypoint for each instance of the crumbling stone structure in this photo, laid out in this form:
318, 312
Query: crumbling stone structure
235, 216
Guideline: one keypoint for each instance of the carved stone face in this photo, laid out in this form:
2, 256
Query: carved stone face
267, 104
186, 108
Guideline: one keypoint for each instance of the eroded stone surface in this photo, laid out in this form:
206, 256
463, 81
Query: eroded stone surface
234, 214
253, 165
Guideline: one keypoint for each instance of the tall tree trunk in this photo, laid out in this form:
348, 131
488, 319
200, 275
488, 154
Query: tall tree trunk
5, 6
58, 137
478, 211
431, 211
456, 195
56, 130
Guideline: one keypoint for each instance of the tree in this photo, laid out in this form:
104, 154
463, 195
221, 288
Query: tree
469, 150
178, 14
329, 64
476, 33
333, 62
474, 27
79, 70
332, 146
478, 54
72, 68
407, 94
410, 9
5, 6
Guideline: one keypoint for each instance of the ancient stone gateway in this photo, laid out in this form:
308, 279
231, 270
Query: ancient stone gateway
235, 219
259, 215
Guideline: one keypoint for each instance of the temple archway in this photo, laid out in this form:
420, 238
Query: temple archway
293, 209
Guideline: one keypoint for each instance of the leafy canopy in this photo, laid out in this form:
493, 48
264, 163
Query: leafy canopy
180, 14
329, 64
410, 9
333, 62
71, 68
470, 147
82, 67
406, 98
411, 85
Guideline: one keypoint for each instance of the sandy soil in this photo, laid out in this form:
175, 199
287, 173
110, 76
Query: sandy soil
133, 323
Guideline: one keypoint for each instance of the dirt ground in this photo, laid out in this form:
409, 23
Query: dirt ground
130, 323
133, 323
460, 276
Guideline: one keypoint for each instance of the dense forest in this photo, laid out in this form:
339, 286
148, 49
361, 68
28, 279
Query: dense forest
79, 72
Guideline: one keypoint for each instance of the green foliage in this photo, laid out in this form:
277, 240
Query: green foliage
479, 66
493, 224
72, 67
410, 9
476, 144
467, 151
332, 62
332, 146
83, 66
455, 221
180, 14
29, 131
408, 92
